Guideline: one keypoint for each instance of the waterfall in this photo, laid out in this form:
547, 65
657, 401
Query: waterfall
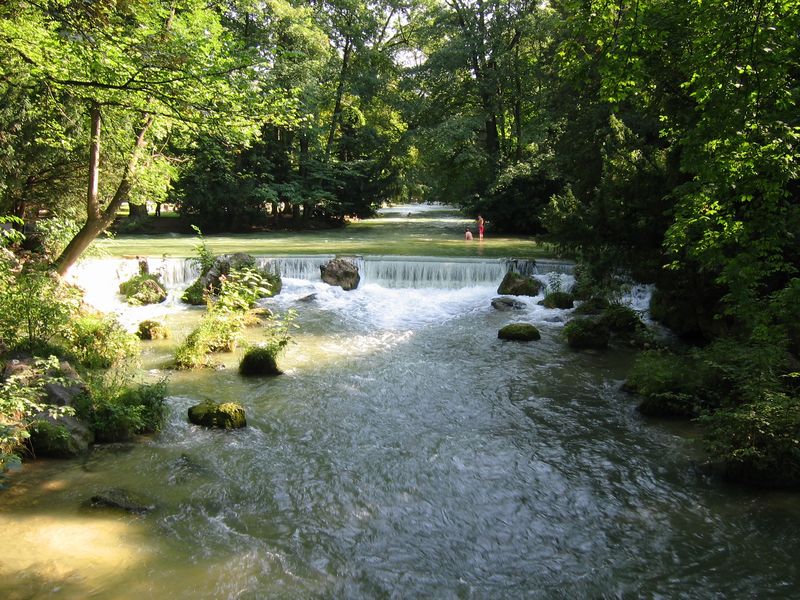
101, 277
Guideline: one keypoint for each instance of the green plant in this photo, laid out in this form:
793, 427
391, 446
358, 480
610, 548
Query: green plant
10, 236
204, 256
117, 409
35, 307
21, 399
145, 288
99, 341
758, 442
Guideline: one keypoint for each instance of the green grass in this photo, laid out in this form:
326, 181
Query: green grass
427, 235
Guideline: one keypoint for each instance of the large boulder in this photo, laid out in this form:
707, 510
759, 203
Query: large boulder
514, 284
229, 415
505, 303
520, 332
341, 272
62, 437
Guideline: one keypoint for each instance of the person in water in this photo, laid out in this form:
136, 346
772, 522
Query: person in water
480, 227
468, 235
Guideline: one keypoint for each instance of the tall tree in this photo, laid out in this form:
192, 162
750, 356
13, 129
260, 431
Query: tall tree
139, 70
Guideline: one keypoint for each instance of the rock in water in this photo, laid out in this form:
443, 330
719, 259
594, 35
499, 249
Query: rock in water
341, 272
229, 415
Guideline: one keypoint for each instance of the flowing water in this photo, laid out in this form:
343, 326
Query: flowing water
405, 453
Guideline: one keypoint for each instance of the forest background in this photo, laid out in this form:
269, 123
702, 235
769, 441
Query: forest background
654, 140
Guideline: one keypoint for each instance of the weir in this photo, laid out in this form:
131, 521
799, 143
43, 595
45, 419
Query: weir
386, 271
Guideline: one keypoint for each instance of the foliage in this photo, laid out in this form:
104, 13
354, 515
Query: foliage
22, 397
35, 307
758, 442
8, 235
116, 409
100, 341
586, 333
204, 257
259, 360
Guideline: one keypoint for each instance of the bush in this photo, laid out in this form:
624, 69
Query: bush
116, 411
35, 307
100, 341
758, 442
586, 333
22, 398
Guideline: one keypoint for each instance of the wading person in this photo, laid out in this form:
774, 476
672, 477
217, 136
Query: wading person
480, 227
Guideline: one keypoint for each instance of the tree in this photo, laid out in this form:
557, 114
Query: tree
141, 72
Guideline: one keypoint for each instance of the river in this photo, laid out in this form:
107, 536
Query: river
405, 453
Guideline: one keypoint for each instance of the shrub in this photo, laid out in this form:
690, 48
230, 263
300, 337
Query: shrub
758, 442
99, 341
22, 398
585, 333
35, 307
117, 410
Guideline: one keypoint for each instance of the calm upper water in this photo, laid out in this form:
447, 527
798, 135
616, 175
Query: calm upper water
405, 453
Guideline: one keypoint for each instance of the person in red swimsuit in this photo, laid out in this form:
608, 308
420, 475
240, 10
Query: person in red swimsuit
480, 227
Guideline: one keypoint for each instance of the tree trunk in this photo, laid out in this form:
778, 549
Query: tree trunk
98, 220
337, 107
137, 211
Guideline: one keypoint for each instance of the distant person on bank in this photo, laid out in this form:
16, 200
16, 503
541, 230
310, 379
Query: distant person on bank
480, 227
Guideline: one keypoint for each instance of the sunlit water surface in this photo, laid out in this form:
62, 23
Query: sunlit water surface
405, 453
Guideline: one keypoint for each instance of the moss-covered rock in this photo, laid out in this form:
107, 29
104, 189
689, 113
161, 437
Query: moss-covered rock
521, 332
152, 330
514, 284
259, 360
625, 325
194, 294
558, 300
505, 303
143, 289
584, 333
228, 415
65, 437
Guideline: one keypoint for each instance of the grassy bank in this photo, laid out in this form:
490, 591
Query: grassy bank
400, 236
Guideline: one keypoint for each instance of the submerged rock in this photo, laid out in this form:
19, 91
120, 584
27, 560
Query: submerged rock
520, 332
341, 272
515, 284
228, 415
505, 303
119, 499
